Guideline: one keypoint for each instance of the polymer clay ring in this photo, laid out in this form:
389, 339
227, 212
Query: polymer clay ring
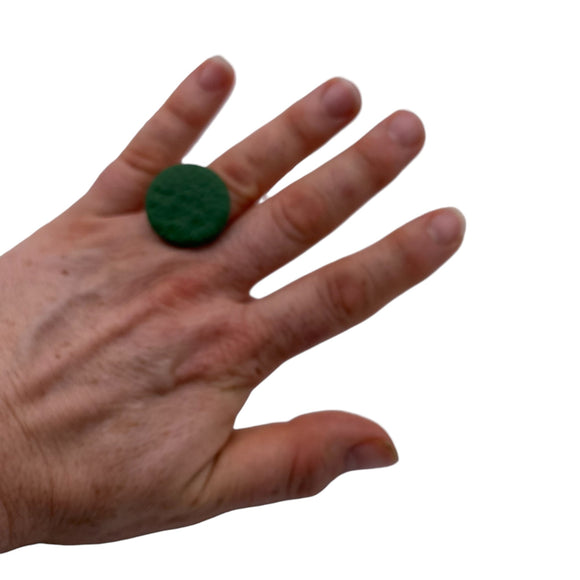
187, 205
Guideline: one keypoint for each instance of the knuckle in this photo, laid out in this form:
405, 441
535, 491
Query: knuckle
174, 291
407, 265
300, 132
347, 295
306, 485
140, 160
188, 117
226, 349
307, 476
376, 164
240, 177
298, 215
244, 348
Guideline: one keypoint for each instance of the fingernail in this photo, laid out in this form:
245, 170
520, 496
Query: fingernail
341, 98
405, 128
370, 454
215, 74
447, 226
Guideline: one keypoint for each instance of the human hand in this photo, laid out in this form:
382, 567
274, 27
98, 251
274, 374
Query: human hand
125, 361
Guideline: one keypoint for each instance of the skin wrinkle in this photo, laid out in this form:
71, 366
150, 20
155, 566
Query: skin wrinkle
238, 176
299, 216
121, 185
347, 297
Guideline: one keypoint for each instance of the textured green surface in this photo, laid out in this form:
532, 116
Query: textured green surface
187, 205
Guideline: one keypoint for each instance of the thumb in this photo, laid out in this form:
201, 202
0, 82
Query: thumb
300, 458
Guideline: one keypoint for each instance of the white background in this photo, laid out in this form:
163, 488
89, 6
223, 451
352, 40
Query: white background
474, 373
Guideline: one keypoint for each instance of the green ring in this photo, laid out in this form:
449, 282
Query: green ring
187, 205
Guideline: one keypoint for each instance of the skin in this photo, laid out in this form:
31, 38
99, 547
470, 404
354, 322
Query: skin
125, 361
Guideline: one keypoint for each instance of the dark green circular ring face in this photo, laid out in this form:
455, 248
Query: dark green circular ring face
187, 205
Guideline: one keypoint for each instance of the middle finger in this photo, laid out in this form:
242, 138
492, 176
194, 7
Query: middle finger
252, 167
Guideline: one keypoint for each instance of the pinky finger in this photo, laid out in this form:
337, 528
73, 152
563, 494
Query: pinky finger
344, 293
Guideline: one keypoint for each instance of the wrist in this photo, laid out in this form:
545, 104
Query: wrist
17, 528
5, 531
19, 488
